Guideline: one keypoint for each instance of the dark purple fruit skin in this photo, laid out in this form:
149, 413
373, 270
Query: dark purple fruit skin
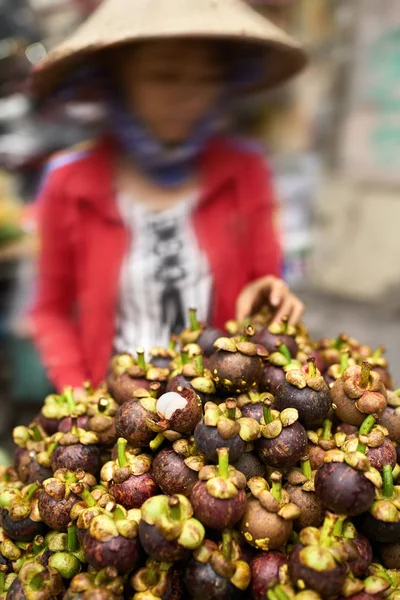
130, 423
271, 342
360, 596
134, 491
201, 582
122, 388
179, 381
207, 338
207, 440
65, 425
50, 426
172, 474
77, 456
161, 362
286, 449
29, 470
253, 411
382, 455
21, 531
119, 552
390, 419
159, 548
379, 531
271, 378
311, 405
16, 591
327, 584
360, 565
265, 572
56, 513
312, 511
242, 371
250, 465
343, 490
214, 512
390, 555
316, 455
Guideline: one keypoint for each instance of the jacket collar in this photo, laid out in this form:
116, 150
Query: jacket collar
218, 165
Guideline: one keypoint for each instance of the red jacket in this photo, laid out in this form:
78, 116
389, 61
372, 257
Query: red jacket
83, 241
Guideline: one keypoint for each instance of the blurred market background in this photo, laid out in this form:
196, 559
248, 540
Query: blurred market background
333, 137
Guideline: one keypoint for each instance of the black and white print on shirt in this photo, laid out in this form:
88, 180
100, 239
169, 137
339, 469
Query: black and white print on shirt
163, 275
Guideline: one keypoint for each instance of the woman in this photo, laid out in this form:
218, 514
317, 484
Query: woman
164, 212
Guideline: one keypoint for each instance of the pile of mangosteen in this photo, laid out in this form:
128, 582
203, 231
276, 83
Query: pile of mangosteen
252, 464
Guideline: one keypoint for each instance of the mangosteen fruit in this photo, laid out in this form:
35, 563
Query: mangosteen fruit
133, 417
76, 450
176, 469
158, 580
301, 490
277, 334
102, 585
266, 572
19, 515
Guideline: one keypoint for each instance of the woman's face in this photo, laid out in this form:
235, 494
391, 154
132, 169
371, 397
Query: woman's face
170, 85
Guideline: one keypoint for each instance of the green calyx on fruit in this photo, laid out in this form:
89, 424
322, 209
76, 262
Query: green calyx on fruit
152, 580
228, 419
386, 506
58, 406
324, 438
127, 464
358, 461
115, 520
64, 482
173, 518
225, 560
242, 345
192, 457
274, 421
306, 376
35, 578
275, 499
282, 358
222, 481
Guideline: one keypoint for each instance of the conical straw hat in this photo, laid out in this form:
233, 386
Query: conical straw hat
118, 22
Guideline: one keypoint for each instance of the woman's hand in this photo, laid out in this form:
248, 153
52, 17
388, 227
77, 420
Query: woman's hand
274, 292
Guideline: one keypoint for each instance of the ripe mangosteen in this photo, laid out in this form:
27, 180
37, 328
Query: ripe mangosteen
133, 417
374, 442
390, 418
249, 464
31, 461
101, 413
111, 540
381, 366
176, 469
161, 358
390, 555
319, 559
224, 427
306, 391
101, 585
266, 572
57, 497
268, 519
217, 572
158, 580
251, 405
181, 409
19, 515
301, 490
218, 498
277, 334
321, 441
77, 450
35, 581
236, 366
200, 333
283, 440
357, 394
275, 368
359, 565
167, 530
344, 482
382, 522
193, 375
129, 478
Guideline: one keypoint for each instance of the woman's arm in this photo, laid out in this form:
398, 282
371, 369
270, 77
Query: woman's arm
55, 332
266, 259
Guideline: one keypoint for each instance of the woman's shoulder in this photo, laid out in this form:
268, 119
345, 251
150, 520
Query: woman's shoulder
74, 158
243, 153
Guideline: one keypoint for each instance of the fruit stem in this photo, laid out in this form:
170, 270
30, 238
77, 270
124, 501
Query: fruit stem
378, 352
69, 397
267, 414
140, 358
3, 571
72, 539
338, 529
326, 429
283, 349
223, 462
306, 467
271, 595
327, 529
311, 367
231, 408
172, 343
184, 357
387, 481
397, 392
365, 429
344, 361
151, 575
31, 491
157, 441
118, 514
365, 371
87, 498
280, 594
276, 490
37, 545
194, 323
121, 447
200, 365
174, 506
37, 436
227, 545
36, 582
51, 448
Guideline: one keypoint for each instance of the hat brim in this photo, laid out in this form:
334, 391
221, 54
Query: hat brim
228, 20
